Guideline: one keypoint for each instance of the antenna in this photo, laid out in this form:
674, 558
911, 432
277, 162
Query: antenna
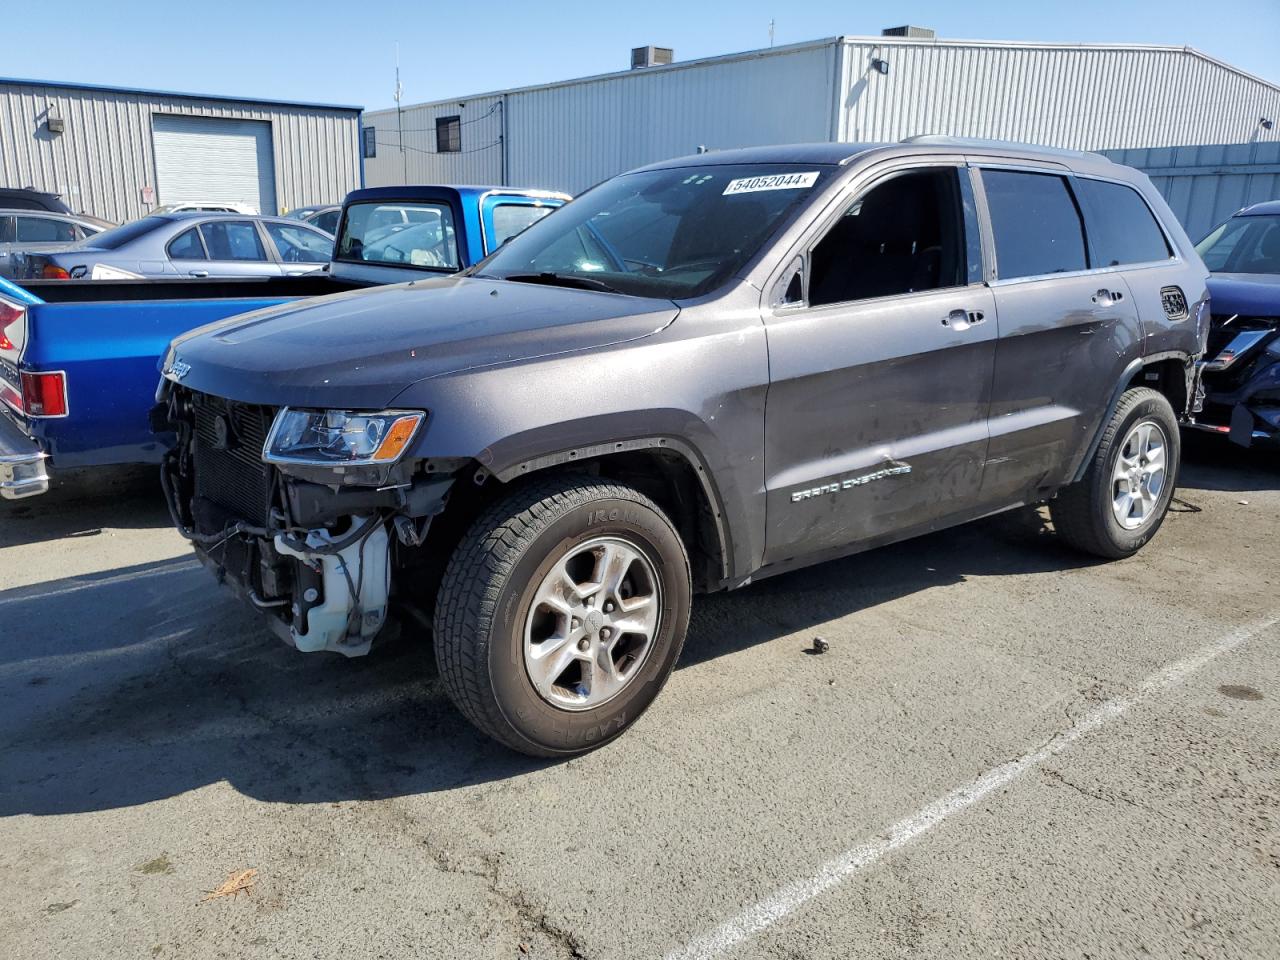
404, 160
771, 31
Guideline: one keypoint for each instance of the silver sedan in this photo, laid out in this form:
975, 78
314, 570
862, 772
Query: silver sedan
190, 245
41, 231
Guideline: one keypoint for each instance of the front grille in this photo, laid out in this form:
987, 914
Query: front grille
227, 454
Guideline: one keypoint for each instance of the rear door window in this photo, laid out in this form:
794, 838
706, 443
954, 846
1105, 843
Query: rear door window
1036, 223
232, 240
1122, 228
43, 230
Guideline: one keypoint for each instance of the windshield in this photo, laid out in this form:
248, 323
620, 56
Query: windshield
1243, 245
117, 237
399, 234
663, 233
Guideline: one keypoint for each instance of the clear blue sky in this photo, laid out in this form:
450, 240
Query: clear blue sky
343, 52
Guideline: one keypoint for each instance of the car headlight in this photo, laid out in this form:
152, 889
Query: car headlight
340, 437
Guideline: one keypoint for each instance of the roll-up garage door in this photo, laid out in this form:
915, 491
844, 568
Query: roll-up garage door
209, 158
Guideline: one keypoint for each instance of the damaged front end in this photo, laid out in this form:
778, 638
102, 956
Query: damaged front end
1241, 379
300, 512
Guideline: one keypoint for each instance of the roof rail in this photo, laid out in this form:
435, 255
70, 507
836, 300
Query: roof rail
944, 141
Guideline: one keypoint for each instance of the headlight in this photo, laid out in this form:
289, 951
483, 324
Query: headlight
340, 437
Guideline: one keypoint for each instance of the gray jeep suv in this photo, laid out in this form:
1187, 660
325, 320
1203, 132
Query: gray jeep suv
697, 374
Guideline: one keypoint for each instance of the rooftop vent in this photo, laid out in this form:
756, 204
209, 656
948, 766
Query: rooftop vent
651, 56
916, 33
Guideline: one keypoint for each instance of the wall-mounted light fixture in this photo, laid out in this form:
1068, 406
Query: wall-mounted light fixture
55, 125
1266, 123
880, 65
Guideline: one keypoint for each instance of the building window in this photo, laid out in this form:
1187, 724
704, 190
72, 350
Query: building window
370, 135
448, 134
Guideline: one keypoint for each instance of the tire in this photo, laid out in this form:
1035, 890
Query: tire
493, 619
1087, 514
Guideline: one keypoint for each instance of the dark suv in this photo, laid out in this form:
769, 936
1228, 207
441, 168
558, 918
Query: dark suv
697, 374
25, 198
1242, 369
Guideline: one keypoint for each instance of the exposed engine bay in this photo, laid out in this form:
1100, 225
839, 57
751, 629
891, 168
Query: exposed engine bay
310, 546
1241, 378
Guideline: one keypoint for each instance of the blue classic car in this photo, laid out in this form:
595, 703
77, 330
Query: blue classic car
1242, 374
79, 359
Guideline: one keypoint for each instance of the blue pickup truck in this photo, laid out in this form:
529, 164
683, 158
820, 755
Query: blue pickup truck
79, 359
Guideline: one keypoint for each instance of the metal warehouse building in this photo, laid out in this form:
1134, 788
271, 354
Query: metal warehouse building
572, 134
117, 153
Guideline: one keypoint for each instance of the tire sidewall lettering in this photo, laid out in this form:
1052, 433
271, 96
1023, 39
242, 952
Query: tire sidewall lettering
531, 716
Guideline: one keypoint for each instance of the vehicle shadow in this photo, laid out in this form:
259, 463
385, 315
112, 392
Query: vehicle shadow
141, 687
1214, 463
84, 503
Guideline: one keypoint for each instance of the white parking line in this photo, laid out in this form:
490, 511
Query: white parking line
105, 581
793, 896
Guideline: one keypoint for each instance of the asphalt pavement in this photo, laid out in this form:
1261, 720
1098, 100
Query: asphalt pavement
1008, 749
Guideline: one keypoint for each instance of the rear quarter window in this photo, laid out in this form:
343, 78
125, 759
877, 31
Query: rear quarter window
1122, 228
186, 246
1036, 224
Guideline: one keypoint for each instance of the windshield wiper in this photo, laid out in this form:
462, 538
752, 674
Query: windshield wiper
561, 280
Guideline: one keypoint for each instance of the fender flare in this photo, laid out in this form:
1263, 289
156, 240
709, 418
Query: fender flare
1126, 377
674, 444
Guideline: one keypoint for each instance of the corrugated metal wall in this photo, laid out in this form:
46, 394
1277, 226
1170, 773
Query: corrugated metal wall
1206, 184
104, 158
1080, 97
571, 135
479, 162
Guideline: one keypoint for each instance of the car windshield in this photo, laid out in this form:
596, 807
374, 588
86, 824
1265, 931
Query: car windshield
661, 233
1243, 245
117, 237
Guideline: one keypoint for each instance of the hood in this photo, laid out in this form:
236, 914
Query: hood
362, 349
1250, 294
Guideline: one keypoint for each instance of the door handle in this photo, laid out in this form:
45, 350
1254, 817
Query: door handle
962, 319
198, 273
1107, 297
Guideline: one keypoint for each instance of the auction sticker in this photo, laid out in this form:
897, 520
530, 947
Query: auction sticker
774, 181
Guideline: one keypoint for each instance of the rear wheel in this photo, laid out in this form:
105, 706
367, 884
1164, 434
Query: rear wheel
1123, 497
561, 614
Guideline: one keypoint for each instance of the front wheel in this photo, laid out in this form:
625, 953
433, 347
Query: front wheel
561, 614
1124, 495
